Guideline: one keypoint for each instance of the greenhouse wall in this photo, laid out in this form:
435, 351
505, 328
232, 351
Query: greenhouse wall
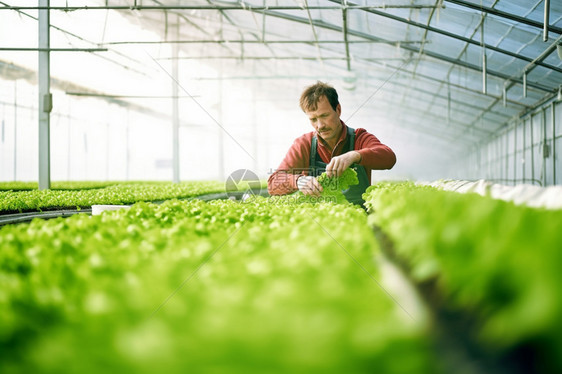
527, 151
94, 139
90, 139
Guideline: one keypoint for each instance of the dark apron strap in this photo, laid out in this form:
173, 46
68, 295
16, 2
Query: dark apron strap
351, 138
313, 155
354, 193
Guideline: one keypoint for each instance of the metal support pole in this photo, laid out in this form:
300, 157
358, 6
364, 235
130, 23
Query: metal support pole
255, 134
506, 150
531, 131
497, 159
553, 123
487, 150
85, 138
220, 130
175, 109
107, 143
15, 129
127, 145
525, 84
504, 96
544, 148
546, 20
345, 38
263, 23
220, 108
448, 104
69, 140
515, 152
524, 151
484, 58
484, 73
499, 169
45, 98
265, 133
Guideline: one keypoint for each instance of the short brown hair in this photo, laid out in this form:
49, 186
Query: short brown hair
312, 94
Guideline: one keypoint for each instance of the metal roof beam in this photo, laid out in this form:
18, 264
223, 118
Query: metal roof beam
455, 36
345, 38
433, 117
526, 70
463, 103
313, 31
207, 7
433, 94
479, 92
237, 41
54, 49
408, 48
414, 70
304, 58
502, 14
66, 32
424, 40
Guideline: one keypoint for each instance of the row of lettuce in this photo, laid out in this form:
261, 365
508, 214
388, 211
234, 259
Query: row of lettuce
279, 285
60, 185
203, 287
85, 194
19, 197
492, 260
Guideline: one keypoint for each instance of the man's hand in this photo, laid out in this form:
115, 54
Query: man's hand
309, 185
340, 163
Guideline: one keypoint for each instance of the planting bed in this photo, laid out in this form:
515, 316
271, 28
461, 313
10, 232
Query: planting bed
489, 267
285, 284
197, 286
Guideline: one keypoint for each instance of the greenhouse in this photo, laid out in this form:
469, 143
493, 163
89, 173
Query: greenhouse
281, 186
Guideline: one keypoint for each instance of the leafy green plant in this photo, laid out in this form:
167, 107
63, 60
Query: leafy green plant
60, 185
332, 190
193, 286
492, 259
338, 183
121, 193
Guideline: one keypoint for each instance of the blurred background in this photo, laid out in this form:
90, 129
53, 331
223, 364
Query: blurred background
458, 89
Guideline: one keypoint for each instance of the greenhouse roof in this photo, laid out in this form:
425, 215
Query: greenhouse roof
450, 73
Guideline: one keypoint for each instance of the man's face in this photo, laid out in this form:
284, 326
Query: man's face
326, 120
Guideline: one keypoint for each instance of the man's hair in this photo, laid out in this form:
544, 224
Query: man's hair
312, 94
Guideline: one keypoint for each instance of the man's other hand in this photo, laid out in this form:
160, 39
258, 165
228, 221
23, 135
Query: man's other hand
340, 163
309, 185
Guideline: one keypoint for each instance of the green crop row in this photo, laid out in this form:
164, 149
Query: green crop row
496, 261
121, 193
203, 287
62, 185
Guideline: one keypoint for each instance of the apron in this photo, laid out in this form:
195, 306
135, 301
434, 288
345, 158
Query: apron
354, 193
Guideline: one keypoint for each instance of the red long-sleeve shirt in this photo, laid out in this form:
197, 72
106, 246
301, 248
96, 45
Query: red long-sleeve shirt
374, 156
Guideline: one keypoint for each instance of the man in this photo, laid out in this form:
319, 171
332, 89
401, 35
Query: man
332, 147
